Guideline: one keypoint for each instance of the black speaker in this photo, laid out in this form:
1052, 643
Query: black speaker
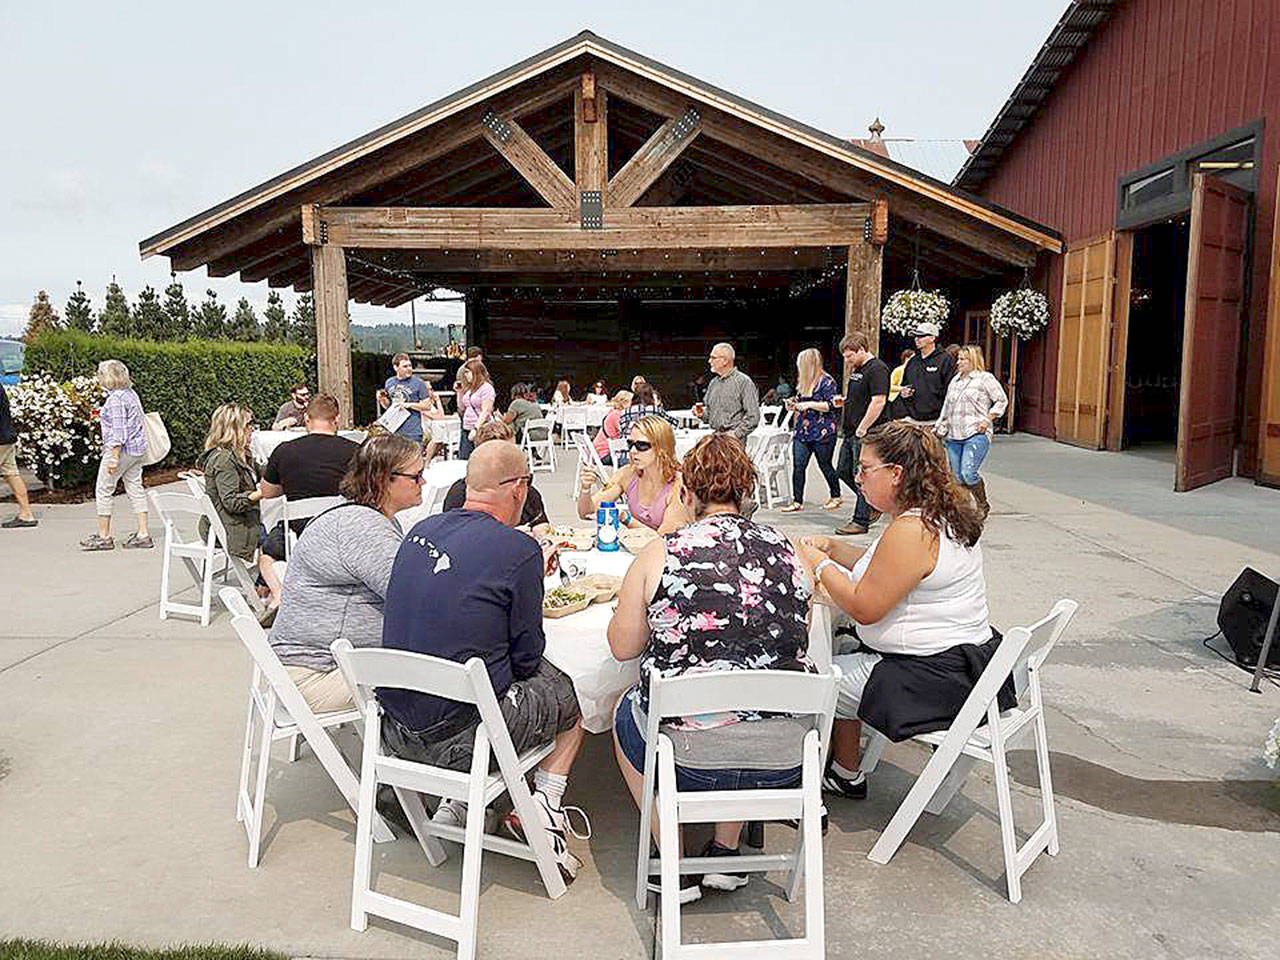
1244, 614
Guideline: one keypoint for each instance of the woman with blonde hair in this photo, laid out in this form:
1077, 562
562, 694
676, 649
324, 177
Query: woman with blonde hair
476, 397
124, 445
231, 482
814, 429
611, 429
650, 482
974, 399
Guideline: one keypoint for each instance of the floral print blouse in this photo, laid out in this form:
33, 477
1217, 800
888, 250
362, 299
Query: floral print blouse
814, 426
732, 597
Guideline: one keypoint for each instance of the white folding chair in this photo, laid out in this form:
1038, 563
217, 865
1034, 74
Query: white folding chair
617, 450
303, 509
234, 565
573, 422
439, 478
540, 451
194, 480
773, 473
801, 694
453, 437
198, 554
279, 712
1021, 653
769, 415
368, 668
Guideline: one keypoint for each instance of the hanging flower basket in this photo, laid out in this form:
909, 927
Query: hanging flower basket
1019, 313
908, 308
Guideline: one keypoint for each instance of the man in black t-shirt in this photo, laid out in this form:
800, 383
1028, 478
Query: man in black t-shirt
533, 516
311, 466
927, 376
865, 406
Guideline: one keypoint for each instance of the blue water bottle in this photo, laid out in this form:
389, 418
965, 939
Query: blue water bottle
607, 526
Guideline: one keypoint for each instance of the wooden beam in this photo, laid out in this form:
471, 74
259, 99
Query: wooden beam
441, 263
648, 228
333, 325
530, 160
654, 156
862, 294
590, 137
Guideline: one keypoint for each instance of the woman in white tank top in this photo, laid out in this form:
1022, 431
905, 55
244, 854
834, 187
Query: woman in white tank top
917, 592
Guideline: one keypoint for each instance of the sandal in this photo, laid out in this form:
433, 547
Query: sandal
835, 503
792, 507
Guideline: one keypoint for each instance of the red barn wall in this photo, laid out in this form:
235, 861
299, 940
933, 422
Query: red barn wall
1161, 76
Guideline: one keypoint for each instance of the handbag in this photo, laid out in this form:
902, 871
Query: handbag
158, 443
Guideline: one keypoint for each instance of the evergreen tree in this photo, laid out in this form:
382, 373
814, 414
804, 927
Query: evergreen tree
42, 317
149, 320
211, 319
177, 313
275, 322
244, 325
79, 312
114, 319
302, 325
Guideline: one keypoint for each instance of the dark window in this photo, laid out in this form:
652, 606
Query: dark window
1148, 188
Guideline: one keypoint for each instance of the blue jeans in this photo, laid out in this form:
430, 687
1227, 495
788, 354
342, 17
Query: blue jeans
849, 450
465, 446
966, 457
631, 740
801, 450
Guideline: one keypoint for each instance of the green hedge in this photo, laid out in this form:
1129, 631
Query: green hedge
184, 381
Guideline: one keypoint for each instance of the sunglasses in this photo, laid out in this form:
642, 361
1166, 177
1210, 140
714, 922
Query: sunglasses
526, 477
639, 446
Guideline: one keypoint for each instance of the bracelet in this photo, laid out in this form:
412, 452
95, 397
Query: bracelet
822, 565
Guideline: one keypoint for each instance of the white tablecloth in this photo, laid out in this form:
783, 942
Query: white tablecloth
579, 645
264, 441
440, 428
686, 440
439, 477
685, 418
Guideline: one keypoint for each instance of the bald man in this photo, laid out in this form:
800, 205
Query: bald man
731, 404
465, 584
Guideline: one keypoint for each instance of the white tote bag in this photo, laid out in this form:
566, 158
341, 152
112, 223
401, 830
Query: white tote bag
158, 443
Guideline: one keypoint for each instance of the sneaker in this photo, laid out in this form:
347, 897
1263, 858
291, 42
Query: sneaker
135, 542
795, 824
555, 821
96, 542
690, 889
721, 881
17, 522
450, 813
852, 529
851, 788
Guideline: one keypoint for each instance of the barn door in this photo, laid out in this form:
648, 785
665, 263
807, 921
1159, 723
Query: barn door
1208, 393
1269, 429
1084, 341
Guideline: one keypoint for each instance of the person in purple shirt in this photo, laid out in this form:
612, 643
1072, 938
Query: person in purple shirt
124, 446
465, 584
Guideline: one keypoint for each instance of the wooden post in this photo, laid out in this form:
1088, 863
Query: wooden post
333, 326
1013, 386
862, 294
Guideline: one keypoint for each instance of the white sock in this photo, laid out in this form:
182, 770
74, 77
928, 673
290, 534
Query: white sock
847, 774
552, 786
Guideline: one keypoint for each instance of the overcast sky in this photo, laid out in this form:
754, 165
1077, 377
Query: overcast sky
120, 120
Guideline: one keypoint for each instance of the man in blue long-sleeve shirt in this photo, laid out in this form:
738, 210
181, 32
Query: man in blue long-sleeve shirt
465, 584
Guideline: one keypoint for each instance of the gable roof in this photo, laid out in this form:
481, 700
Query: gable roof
588, 43
1081, 20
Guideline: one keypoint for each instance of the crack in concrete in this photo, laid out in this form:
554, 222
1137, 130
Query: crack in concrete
78, 636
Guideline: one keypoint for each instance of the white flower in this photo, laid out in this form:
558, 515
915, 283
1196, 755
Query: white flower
1019, 313
907, 308
1271, 746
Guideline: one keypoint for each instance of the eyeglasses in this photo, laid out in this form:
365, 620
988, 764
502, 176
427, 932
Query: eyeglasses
860, 470
416, 477
639, 446
526, 477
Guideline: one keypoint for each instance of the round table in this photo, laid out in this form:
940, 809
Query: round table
264, 441
579, 645
686, 440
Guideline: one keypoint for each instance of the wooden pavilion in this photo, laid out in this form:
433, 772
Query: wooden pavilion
606, 214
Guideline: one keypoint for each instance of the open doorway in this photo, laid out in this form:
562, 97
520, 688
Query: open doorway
1153, 361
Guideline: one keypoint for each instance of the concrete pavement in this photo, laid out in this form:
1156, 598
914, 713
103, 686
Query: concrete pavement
120, 737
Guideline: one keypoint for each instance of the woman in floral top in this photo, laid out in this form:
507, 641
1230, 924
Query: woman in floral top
815, 429
723, 593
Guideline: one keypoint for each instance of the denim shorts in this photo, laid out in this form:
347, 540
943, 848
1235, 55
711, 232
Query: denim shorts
631, 740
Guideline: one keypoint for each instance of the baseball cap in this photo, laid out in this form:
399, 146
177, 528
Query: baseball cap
926, 330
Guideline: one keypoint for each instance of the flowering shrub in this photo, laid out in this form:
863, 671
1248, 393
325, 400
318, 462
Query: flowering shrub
1019, 313
906, 308
1271, 747
57, 423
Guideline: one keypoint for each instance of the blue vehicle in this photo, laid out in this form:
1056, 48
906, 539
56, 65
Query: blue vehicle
11, 354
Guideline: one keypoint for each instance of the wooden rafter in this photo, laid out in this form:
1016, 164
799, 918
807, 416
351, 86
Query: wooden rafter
654, 156
633, 227
591, 135
440, 263
541, 172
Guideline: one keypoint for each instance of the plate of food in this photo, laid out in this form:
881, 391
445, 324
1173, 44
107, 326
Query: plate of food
635, 539
602, 586
571, 538
563, 601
